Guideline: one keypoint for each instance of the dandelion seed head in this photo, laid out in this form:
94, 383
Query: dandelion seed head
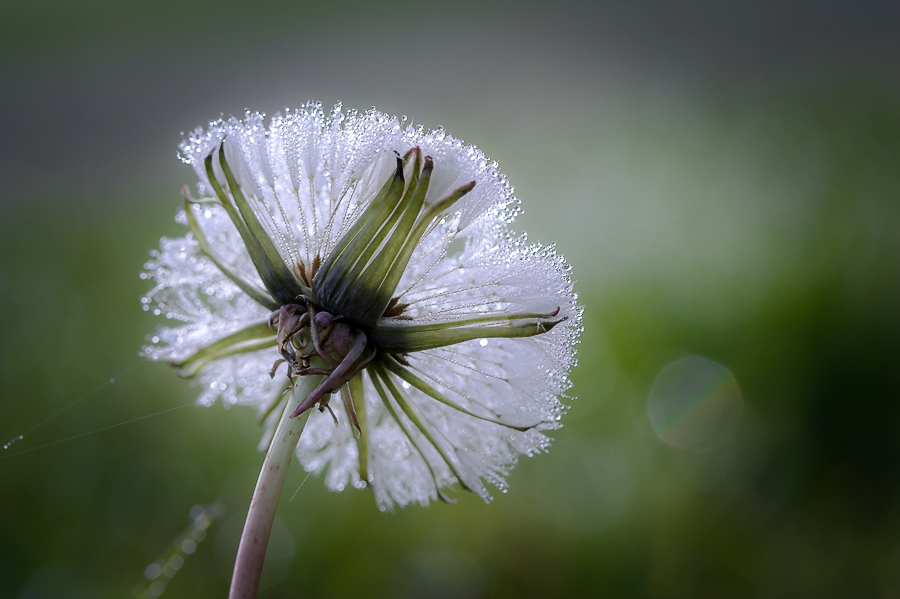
463, 369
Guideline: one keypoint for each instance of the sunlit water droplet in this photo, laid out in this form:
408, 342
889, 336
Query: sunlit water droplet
9, 444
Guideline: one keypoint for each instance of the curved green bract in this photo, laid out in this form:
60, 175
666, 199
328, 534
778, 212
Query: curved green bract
401, 339
252, 338
255, 293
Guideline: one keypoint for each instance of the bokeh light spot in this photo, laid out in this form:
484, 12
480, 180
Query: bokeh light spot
694, 404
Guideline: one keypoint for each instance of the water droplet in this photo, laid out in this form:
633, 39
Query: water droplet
188, 546
176, 562
152, 571
156, 589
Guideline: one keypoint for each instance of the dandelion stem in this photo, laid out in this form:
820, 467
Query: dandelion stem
252, 549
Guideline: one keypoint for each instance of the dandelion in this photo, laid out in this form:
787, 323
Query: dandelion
355, 279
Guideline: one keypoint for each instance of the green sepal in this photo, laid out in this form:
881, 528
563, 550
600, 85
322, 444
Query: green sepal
406, 430
356, 288
401, 339
256, 254
351, 234
442, 205
284, 285
252, 338
329, 281
464, 322
255, 293
407, 375
354, 388
400, 397
376, 275
391, 279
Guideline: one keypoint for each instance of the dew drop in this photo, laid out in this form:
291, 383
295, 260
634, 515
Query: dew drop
176, 562
152, 571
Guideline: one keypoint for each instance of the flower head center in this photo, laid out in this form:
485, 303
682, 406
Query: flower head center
316, 342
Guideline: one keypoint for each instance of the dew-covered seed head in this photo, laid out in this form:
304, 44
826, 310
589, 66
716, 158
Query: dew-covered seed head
379, 258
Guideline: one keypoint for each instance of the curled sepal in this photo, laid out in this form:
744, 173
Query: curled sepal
334, 380
252, 338
290, 320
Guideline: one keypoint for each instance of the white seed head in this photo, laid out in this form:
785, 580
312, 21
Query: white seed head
308, 177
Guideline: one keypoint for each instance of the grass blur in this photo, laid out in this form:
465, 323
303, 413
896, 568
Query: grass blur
723, 195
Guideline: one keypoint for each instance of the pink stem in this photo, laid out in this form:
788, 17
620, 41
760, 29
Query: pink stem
252, 550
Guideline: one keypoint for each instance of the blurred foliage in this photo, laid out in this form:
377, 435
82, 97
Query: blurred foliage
758, 230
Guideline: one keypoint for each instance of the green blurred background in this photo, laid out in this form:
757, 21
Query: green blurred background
724, 179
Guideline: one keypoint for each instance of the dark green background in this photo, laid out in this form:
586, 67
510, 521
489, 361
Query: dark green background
724, 179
